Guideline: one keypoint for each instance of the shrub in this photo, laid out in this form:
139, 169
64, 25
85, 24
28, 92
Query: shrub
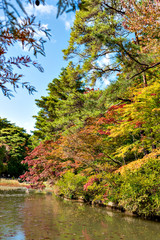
71, 185
99, 188
139, 191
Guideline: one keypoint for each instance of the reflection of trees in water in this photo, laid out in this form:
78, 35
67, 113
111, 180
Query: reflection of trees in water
46, 217
10, 217
39, 218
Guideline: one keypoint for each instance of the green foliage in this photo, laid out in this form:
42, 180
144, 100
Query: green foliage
93, 39
139, 191
67, 105
71, 185
1, 167
3, 155
104, 144
14, 145
62, 104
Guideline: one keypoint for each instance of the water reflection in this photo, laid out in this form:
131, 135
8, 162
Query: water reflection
45, 217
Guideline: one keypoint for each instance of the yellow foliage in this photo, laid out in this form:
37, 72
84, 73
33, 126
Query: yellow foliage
132, 166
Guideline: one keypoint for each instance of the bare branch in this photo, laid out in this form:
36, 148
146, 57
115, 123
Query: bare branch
144, 70
124, 100
105, 5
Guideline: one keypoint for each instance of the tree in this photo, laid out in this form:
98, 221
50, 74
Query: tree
76, 152
67, 104
107, 41
14, 144
146, 31
16, 26
139, 123
61, 105
131, 130
96, 33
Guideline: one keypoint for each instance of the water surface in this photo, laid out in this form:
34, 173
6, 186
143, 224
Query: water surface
34, 217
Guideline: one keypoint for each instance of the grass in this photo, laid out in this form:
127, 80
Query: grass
11, 183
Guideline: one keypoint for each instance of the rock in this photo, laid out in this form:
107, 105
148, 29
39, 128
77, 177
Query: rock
112, 204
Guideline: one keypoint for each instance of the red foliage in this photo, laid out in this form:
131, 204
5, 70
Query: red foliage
111, 117
102, 132
87, 90
90, 182
115, 107
138, 124
40, 168
23, 32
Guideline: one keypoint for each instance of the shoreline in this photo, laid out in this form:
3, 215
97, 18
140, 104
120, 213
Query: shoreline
15, 185
111, 206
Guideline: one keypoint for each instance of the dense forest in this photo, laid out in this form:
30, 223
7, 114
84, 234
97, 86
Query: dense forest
99, 143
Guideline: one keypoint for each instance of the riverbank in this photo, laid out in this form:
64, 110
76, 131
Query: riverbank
12, 185
111, 206
114, 207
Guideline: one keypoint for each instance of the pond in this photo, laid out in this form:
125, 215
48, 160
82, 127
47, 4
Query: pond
36, 216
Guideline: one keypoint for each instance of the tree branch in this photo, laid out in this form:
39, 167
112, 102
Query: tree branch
125, 100
106, 70
115, 161
131, 57
116, 10
144, 70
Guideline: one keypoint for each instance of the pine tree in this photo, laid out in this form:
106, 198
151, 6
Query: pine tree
107, 41
61, 104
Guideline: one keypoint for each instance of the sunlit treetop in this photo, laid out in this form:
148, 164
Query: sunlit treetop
107, 40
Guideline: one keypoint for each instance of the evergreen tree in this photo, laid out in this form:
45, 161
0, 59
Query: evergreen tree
51, 118
14, 146
108, 41
67, 105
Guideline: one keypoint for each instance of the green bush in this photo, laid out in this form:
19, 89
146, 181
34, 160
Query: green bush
136, 190
71, 185
139, 191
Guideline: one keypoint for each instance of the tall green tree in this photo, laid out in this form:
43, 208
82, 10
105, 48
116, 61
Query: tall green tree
51, 118
107, 42
14, 146
67, 104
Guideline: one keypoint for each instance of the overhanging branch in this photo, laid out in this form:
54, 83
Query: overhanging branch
144, 70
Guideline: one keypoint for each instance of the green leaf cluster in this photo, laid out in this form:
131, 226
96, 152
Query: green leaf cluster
67, 105
71, 185
14, 145
109, 137
139, 191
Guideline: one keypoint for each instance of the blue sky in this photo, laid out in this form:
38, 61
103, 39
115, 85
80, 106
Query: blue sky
22, 107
